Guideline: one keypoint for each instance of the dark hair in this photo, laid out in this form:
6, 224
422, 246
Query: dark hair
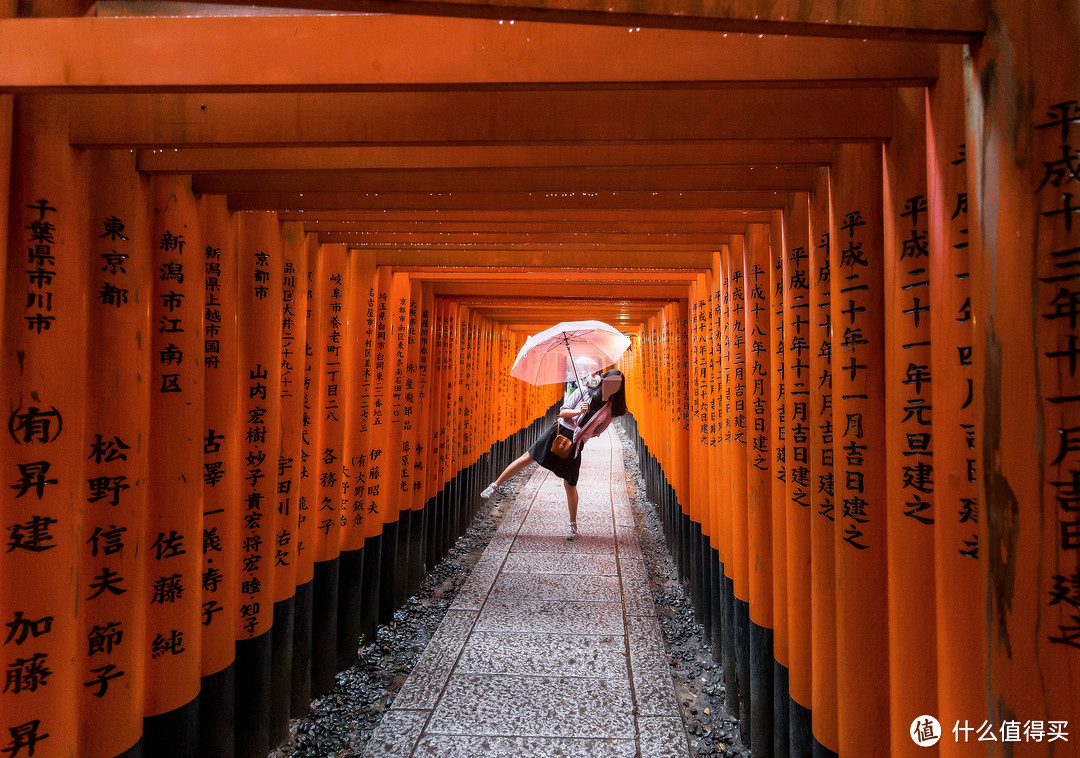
618, 400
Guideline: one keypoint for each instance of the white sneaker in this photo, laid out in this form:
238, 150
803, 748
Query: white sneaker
490, 490
571, 531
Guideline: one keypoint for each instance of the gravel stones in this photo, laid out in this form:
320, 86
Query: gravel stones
342, 721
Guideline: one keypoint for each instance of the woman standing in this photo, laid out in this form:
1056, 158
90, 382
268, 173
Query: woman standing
586, 413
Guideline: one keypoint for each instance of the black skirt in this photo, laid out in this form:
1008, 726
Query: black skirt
564, 468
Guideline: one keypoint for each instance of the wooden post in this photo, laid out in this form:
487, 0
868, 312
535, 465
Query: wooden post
1025, 239
118, 293
259, 320
43, 451
779, 468
175, 516
859, 453
822, 482
798, 384
960, 576
222, 444
759, 485
908, 423
330, 307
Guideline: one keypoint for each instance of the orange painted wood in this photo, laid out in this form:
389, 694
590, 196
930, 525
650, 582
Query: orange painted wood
1023, 356
724, 419
259, 268
778, 447
331, 302
357, 402
175, 120
7, 107
798, 385
293, 320
958, 23
306, 501
195, 160
458, 201
338, 51
114, 501
822, 479
738, 400
859, 451
959, 567
910, 469
223, 437
44, 374
759, 399
173, 561
530, 179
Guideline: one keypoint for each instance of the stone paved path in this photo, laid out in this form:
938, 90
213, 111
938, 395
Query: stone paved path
552, 647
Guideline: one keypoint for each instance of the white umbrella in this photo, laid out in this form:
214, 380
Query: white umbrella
557, 353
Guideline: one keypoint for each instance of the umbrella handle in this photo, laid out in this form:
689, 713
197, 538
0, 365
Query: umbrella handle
573, 363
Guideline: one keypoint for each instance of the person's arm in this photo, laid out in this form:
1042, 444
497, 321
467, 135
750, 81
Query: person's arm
575, 405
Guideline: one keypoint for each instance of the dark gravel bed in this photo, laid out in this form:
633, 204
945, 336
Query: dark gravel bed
342, 721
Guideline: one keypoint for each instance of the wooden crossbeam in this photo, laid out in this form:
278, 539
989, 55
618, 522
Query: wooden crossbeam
354, 52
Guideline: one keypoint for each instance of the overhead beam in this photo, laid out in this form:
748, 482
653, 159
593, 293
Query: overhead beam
523, 229
317, 220
204, 160
559, 179
298, 202
246, 119
519, 239
955, 21
342, 52
616, 258
560, 290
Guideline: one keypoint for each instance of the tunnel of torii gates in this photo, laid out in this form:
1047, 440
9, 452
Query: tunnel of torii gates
266, 274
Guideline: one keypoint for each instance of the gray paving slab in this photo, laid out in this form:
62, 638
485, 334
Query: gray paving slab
530, 653
535, 707
552, 647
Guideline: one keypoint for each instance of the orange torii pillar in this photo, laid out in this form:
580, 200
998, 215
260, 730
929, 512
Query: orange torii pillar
115, 455
716, 457
44, 443
1025, 267
357, 524
700, 472
723, 390
759, 487
412, 479
367, 466
440, 473
778, 479
329, 309
798, 386
859, 451
397, 527
426, 415
739, 523
822, 483
710, 400
382, 445
960, 579
173, 560
221, 447
910, 512
259, 269
284, 550
306, 481
351, 578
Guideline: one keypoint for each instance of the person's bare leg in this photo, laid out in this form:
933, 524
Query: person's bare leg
513, 469
571, 505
